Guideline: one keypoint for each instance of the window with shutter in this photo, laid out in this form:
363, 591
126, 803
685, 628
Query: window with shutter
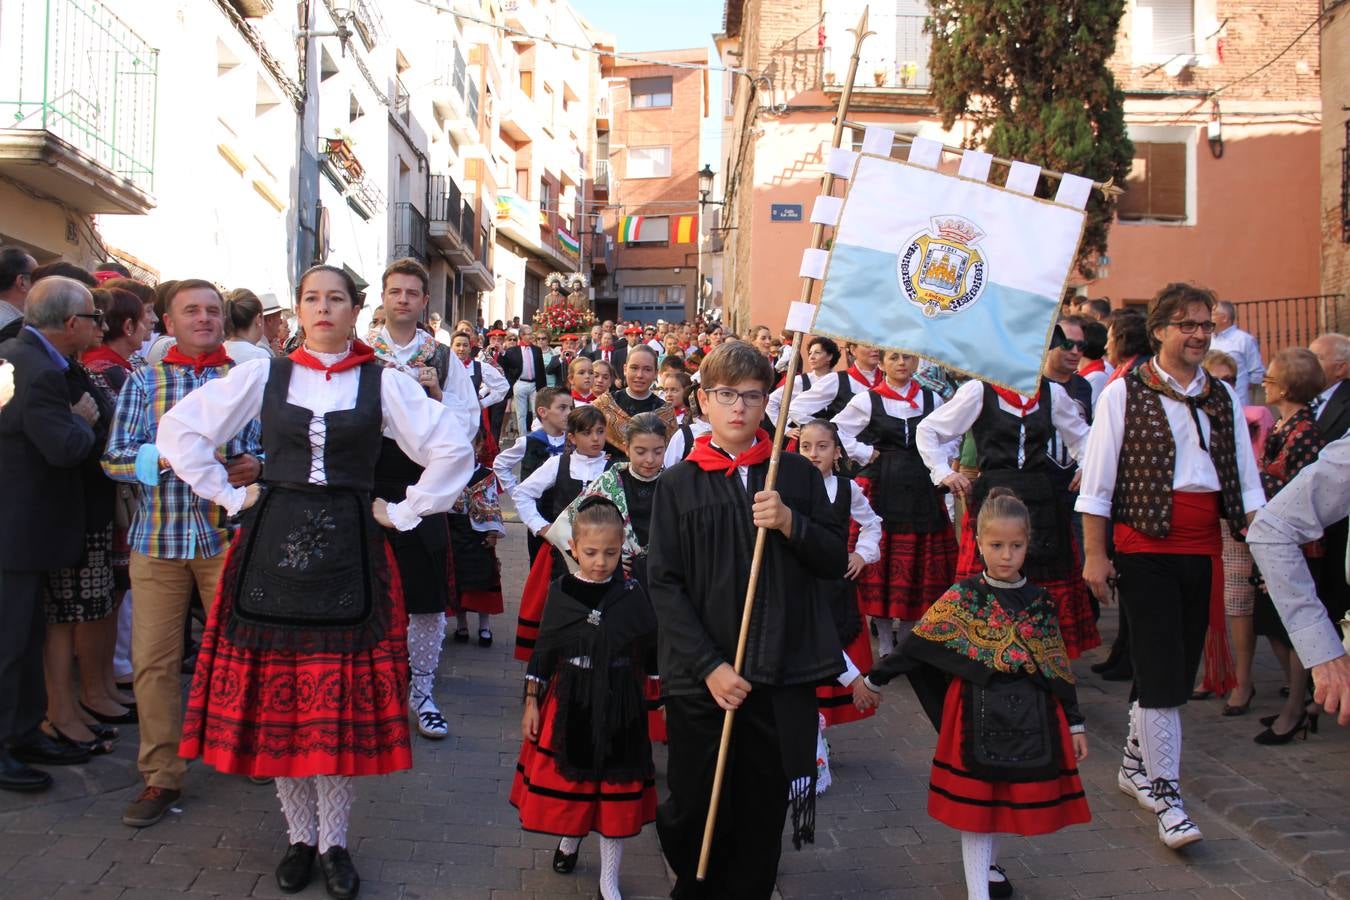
1165, 28
1156, 185
651, 93
648, 162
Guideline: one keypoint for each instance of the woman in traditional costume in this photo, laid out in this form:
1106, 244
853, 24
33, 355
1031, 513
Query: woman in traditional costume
991, 671
637, 396
303, 670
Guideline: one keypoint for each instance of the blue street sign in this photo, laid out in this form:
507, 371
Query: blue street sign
785, 212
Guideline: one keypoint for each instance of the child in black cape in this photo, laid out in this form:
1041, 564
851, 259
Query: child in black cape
990, 669
705, 513
586, 762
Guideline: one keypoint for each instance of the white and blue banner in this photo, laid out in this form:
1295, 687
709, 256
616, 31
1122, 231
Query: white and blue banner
951, 268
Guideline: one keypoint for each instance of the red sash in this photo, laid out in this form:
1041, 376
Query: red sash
1196, 530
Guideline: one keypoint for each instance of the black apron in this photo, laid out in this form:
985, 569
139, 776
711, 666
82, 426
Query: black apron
902, 490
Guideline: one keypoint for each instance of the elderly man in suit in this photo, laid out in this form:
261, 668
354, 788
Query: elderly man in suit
43, 440
523, 366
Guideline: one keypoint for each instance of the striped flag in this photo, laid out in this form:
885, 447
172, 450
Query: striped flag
630, 229
686, 229
569, 243
960, 271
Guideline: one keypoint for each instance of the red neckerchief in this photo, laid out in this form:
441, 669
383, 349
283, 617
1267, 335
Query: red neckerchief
359, 355
1024, 405
1092, 365
1123, 369
856, 374
104, 353
885, 390
679, 411
583, 398
710, 459
217, 357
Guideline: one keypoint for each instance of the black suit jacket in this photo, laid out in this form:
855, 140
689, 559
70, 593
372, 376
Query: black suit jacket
42, 447
617, 357
512, 365
1333, 419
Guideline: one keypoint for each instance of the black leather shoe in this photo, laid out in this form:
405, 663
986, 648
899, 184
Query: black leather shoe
47, 751
1001, 888
15, 776
565, 863
295, 868
339, 873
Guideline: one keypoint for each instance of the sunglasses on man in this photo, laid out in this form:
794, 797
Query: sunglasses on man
1066, 345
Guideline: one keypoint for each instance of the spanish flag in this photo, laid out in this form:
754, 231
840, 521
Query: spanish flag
686, 229
630, 229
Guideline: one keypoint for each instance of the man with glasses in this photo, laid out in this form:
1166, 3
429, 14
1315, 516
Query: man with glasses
44, 440
16, 280
1061, 366
1169, 460
1240, 345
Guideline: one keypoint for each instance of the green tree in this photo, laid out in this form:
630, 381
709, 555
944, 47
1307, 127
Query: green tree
1032, 78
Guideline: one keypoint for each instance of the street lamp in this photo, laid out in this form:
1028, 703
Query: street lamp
706, 176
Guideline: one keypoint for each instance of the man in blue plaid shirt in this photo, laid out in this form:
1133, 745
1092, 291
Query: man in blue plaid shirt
178, 540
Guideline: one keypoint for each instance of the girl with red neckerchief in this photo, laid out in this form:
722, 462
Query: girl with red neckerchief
303, 671
918, 547
579, 381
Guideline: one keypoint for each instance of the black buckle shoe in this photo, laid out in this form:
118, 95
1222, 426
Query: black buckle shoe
565, 863
1000, 889
339, 873
295, 868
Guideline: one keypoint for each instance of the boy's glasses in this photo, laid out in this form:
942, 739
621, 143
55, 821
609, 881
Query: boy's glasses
728, 397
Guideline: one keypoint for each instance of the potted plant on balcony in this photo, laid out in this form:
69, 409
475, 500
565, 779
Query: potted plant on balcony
879, 76
339, 148
907, 71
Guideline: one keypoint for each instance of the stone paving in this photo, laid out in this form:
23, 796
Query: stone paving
1276, 819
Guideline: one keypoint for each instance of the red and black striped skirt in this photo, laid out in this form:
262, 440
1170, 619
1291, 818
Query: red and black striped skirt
914, 570
270, 713
967, 803
550, 803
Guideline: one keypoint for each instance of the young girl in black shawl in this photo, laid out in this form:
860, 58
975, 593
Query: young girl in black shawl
586, 762
991, 671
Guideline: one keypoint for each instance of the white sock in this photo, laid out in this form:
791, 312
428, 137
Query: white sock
297, 805
426, 631
1160, 739
483, 619
885, 637
993, 859
611, 857
977, 855
335, 809
569, 845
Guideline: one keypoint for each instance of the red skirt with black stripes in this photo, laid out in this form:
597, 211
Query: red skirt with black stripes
835, 701
958, 798
550, 803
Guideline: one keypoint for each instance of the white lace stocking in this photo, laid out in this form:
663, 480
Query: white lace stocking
297, 805
335, 795
977, 853
1160, 739
426, 632
611, 857
569, 845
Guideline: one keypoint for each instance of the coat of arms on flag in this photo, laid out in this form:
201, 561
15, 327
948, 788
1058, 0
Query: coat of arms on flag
949, 267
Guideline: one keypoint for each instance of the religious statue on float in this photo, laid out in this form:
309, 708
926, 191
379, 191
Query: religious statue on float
567, 307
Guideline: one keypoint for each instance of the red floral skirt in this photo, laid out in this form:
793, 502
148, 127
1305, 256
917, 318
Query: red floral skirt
967, 803
550, 803
1070, 594
268, 713
835, 701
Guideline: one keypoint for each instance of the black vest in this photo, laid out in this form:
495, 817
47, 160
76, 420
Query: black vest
902, 492
476, 376
998, 434
352, 442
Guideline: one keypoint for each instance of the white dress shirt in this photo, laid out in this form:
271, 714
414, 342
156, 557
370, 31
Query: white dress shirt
1246, 352
456, 393
504, 466
944, 429
775, 402
1194, 470
869, 537
854, 418
494, 388
213, 413
808, 404
526, 495
675, 446
1317, 497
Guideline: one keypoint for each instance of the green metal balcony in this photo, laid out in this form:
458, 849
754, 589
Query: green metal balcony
77, 105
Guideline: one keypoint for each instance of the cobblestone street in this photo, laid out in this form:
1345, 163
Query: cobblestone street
1275, 819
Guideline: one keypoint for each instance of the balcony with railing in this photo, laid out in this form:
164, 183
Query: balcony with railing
410, 232
602, 254
402, 101
894, 59
338, 163
477, 273
77, 105
603, 112
601, 183
447, 204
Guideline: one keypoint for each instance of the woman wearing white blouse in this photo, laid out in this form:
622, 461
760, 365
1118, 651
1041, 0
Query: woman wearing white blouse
303, 670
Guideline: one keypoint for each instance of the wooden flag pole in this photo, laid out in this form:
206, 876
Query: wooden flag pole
771, 478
